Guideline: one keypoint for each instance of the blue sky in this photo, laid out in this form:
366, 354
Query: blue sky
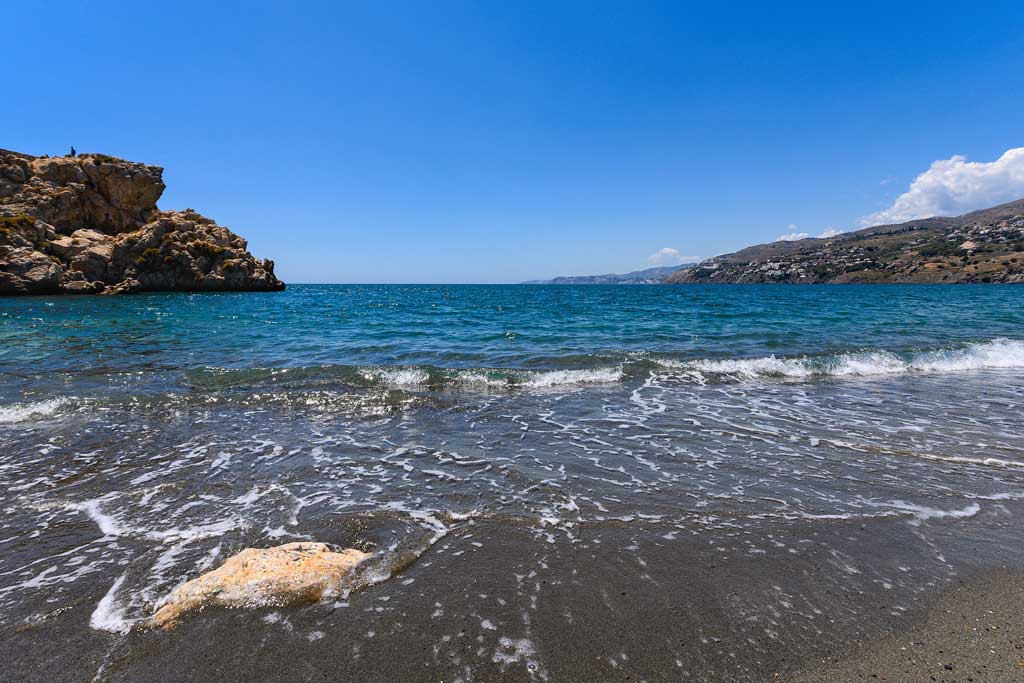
497, 142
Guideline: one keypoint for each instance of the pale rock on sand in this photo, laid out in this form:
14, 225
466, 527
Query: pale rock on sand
262, 577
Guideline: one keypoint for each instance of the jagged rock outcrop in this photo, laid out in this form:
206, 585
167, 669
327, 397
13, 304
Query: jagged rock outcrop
90, 224
262, 577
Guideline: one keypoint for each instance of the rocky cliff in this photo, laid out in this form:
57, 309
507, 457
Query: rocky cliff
89, 224
982, 246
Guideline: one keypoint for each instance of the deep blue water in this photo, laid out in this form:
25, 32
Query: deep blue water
460, 326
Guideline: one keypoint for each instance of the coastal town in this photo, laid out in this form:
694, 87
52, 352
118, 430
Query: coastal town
982, 247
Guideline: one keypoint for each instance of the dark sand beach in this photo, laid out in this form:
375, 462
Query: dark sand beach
491, 602
973, 632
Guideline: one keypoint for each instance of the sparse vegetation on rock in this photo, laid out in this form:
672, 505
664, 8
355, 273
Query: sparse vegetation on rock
983, 246
90, 224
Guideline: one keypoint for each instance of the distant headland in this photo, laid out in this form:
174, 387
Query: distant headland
89, 224
978, 247
648, 276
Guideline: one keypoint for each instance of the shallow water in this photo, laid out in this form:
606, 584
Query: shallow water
145, 438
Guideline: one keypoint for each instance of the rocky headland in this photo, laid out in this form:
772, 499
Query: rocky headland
978, 247
90, 225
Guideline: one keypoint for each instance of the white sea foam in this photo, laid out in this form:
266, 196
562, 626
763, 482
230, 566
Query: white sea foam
427, 518
554, 378
530, 379
195, 533
14, 413
538, 379
522, 651
109, 615
966, 460
994, 354
755, 367
397, 376
107, 523
1010, 495
922, 513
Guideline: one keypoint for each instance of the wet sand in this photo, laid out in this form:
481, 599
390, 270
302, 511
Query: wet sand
973, 632
493, 602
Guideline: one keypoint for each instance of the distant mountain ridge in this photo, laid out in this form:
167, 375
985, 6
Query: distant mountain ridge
981, 246
648, 276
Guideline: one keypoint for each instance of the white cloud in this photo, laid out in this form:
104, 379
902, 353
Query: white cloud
792, 235
954, 186
667, 256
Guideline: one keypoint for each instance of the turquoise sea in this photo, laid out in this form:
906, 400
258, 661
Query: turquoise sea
166, 340
634, 435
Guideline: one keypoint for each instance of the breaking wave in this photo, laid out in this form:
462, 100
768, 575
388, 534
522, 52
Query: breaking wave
383, 389
604, 369
24, 412
425, 377
994, 354
417, 377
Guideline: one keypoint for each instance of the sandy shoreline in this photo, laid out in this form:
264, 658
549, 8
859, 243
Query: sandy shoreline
494, 602
973, 631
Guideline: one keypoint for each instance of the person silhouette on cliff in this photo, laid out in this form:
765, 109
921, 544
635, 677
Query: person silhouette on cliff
73, 152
